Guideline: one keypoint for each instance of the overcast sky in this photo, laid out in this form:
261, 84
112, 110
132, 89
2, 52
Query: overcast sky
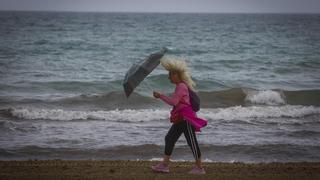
214, 6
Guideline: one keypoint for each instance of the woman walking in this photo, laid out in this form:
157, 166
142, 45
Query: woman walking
182, 116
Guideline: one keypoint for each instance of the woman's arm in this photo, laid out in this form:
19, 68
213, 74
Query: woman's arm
179, 92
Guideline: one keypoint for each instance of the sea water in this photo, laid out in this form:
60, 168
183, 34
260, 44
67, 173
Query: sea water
61, 93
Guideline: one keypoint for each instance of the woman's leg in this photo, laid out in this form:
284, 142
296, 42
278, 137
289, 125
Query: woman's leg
191, 138
170, 140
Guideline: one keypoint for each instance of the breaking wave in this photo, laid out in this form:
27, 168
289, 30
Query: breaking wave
140, 115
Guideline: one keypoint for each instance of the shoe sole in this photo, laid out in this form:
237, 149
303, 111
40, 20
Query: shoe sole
197, 173
159, 171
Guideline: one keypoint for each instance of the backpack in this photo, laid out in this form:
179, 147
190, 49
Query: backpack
194, 100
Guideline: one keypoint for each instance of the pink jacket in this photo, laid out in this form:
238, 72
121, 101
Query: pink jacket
181, 105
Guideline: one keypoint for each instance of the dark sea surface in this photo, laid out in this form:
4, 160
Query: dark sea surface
61, 94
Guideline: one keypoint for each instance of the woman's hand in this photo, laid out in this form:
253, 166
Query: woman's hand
156, 94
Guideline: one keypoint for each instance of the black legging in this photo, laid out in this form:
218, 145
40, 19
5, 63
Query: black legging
175, 132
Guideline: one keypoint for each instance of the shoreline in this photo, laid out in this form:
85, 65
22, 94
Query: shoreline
122, 169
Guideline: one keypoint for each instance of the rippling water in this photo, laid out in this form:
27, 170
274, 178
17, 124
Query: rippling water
258, 76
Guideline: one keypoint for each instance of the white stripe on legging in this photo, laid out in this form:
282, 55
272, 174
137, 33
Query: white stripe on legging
193, 145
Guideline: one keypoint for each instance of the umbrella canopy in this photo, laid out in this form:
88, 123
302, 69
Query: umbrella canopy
139, 71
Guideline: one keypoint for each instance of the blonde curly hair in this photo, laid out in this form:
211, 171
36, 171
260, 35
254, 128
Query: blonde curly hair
179, 65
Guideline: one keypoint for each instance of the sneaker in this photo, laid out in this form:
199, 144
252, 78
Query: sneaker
160, 168
197, 170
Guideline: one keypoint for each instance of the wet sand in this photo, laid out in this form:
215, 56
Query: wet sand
99, 169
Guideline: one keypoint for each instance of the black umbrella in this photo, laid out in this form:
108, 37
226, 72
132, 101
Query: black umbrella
139, 71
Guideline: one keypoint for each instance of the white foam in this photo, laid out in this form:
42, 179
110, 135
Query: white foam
141, 115
239, 112
267, 97
112, 115
155, 159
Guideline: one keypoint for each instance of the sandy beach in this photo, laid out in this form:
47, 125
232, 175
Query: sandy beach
100, 169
